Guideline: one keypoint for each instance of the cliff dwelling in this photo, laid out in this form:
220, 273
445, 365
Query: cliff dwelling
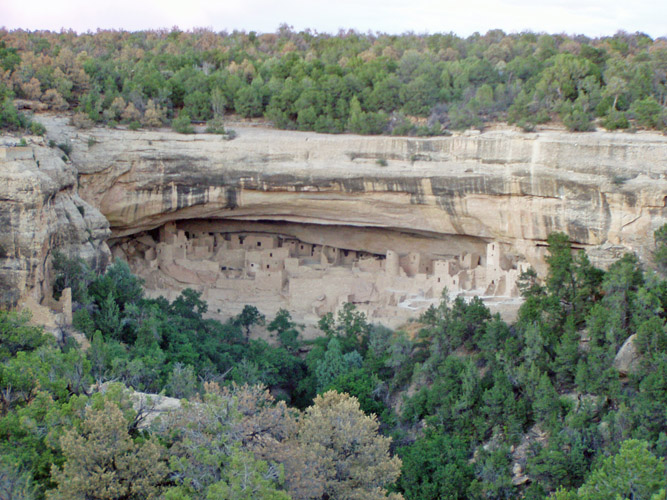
235, 263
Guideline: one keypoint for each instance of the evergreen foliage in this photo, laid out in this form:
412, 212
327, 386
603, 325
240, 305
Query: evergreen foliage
350, 82
488, 410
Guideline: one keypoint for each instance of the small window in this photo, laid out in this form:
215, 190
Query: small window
438, 280
267, 266
259, 243
301, 247
271, 255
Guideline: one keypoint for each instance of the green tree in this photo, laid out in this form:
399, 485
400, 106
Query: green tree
660, 253
249, 316
16, 334
436, 467
633, 473
286, 329
183, 124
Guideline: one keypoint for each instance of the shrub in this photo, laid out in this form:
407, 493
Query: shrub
215, 126
65, 147
615, 120
577, 120
37, 128
182, 125
82, 121
526, 126
648, 113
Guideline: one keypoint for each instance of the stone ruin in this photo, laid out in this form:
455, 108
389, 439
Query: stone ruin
273, 271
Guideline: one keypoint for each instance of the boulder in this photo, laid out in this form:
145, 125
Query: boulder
628, 357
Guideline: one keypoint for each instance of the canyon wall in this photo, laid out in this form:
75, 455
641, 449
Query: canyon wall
41, 212
605, 190
438, 197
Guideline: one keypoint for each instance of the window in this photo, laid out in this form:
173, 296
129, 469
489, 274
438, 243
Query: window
259, 243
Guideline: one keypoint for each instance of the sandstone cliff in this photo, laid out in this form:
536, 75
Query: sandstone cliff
40, 212
437, 196
608, 191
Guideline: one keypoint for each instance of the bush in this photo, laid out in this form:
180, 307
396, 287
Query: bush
215, 126
577, 120
37, 128
615, 120
65, 147
82, 121
182, 124
648, 113
10, 118
526, 126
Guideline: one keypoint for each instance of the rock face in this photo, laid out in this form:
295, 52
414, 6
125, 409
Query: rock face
605, 190
40, 212
628, 357
437, 197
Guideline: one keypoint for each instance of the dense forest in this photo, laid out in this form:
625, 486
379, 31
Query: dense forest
457, 405
350, 82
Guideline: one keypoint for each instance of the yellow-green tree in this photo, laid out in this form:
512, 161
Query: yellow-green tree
356, 457
104, 463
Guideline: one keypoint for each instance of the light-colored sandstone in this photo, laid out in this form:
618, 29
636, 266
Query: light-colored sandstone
436, 198
628, 357
606, 190
40, 212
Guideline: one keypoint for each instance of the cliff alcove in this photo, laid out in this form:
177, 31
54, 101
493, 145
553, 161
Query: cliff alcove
442, 200
312, 270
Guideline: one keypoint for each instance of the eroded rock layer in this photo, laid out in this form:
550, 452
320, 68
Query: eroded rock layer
603, 189
446, 196
40, 212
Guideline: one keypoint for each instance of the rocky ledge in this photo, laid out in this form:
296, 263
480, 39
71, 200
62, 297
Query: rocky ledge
436, 196
41, 212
